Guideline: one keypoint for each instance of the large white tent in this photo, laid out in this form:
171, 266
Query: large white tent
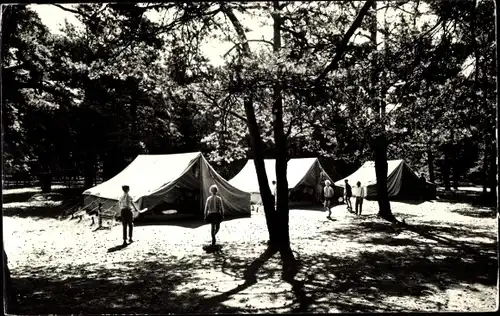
402, 181
178, 180
305, 177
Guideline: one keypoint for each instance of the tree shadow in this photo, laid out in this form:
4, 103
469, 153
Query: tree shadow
249, 276
475, 212
33, 204
143, 287
186, 222
32, 210
133, 287
474, 198
401, 200
56, 194
367, 280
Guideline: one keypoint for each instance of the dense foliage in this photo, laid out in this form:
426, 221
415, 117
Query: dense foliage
125, 83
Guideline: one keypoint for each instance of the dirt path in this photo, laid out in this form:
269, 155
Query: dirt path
446, 261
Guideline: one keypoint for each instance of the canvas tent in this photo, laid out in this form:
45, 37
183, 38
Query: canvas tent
402, 181
305, 177
179, 181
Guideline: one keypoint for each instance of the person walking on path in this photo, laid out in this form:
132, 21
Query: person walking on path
328, 192
348, 195
214, 212
359, 193
126, 204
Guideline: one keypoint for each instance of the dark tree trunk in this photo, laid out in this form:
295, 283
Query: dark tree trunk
89, 171
446, 169
258, 150
485, 169
492, 173
456, 173
379, 142
497, 149
9, 296
430, 164
280, 151
380, 155
256, 139
46, 181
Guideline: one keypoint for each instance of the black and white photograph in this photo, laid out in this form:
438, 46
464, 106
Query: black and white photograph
250, 157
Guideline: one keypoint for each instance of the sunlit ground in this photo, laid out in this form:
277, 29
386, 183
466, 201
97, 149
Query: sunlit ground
446, 260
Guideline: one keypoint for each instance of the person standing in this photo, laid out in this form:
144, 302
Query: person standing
348, 195
214, 212
359, 193
126, 204
328, 192
274, 193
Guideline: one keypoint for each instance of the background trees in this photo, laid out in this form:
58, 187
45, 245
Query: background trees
346, 81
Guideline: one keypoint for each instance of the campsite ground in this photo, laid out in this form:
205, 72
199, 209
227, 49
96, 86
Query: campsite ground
444, 260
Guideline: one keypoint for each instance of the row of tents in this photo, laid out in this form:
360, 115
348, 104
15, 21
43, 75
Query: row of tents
179, 183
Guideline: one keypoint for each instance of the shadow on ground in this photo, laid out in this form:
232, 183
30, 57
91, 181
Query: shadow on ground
38, 205
324, 282
188, 222
387, 267
24, 196
474, 198
476, 212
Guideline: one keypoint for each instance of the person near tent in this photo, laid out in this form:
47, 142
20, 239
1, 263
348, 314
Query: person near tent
328, 192
359, 194
214, 212
126, 204
274, 192
348, 195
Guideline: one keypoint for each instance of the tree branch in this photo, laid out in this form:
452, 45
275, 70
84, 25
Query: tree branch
216, 103
14, 68
246, 42
342, 46
71, 10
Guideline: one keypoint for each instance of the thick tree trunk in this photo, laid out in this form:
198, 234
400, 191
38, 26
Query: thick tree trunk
256, 139
280, 151
379, 143
380, 153
258, 150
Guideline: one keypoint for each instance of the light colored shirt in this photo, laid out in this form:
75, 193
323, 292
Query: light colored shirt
125, 201
358, 191
214, 205
328, 191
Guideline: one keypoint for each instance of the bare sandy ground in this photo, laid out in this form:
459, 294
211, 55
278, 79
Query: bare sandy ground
445, 261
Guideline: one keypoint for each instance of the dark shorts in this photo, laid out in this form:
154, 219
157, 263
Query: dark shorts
214, 218
328, 201
126, 215
359, 200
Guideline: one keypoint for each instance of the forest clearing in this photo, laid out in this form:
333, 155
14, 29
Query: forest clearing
446, 260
